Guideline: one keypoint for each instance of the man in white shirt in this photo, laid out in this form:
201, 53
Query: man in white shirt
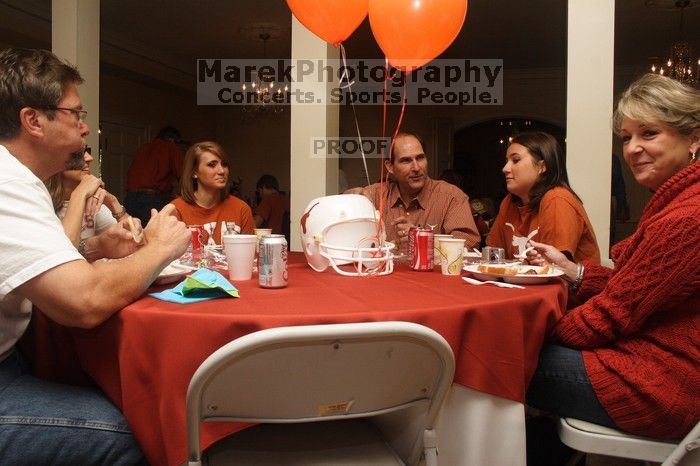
41, 126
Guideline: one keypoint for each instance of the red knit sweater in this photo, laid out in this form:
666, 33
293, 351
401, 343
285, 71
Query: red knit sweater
640, 329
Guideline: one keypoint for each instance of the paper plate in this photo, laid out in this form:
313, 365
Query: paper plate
518, 279
173, 272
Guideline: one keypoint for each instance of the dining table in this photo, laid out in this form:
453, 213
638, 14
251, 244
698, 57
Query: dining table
144, 356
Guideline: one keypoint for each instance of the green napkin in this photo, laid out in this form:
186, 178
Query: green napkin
202, 285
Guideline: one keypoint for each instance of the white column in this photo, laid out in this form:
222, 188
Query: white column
589, 103
75, 37
310, 177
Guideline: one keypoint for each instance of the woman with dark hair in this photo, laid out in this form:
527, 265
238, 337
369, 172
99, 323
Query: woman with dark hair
204, 194
541, 204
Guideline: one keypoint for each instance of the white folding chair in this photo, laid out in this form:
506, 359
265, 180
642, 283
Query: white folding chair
593, 438
378, 386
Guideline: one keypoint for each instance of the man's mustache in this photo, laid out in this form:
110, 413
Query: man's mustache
76, 160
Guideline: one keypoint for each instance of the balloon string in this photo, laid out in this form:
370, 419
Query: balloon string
352, 104
403, 109
398, 125
383, 178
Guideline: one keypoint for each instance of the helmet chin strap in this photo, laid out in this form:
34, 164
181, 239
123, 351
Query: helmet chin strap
377, 261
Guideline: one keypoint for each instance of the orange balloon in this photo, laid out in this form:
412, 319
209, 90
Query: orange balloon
413, 32
331, 20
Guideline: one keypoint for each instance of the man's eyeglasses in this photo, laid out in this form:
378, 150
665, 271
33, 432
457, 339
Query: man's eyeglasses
81, 114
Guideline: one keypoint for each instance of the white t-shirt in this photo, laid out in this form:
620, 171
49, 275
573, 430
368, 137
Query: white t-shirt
103, 220
32, 241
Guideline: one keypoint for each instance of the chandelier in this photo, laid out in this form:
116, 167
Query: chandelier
511, 128
680, 65
264, 96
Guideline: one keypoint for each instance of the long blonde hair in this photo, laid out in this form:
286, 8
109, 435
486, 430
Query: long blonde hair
55, 187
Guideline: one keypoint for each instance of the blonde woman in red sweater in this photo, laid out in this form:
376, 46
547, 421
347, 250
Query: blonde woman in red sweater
628, 357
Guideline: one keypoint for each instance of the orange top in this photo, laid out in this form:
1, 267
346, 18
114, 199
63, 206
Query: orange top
155, 164
272, 208
561, 220
231, 209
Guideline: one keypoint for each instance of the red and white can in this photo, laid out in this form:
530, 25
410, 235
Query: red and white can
420, 247
272, 262
197, 245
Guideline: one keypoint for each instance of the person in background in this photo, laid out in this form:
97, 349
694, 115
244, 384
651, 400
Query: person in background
42, 124
204, 194
541, 200
412, 198
619, 194
85, 208
628, 356
154, 171
273, 206
453, 177
480, 219
619, 208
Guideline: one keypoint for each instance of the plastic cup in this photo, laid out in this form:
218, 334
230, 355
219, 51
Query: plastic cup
436, 247
451, 254
471, 257
240, 253
493, 255
259, 233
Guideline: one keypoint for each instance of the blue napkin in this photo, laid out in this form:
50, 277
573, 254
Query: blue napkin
202, 285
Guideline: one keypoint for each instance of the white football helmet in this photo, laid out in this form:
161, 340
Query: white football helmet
344, 229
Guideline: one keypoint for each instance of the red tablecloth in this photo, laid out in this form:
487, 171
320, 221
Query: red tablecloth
144, 356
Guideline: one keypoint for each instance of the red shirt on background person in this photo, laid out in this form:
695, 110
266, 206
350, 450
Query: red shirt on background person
273, 205
155, 166
155, 169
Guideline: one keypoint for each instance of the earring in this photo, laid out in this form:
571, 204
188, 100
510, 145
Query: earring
194, 176
693, 156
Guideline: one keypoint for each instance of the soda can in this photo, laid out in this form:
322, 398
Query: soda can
420, 244
197, 245
272, 262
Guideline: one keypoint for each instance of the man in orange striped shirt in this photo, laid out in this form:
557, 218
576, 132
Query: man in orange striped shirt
412, 198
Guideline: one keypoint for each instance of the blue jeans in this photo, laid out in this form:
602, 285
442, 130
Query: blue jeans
561, 386
139, 204
52, 424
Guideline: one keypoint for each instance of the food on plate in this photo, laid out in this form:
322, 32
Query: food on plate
498, 269
526, 270
513, 269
